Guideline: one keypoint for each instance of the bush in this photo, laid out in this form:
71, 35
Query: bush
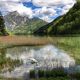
32, 74
75, 76
57, 78
58, 73
49, 73
41, 73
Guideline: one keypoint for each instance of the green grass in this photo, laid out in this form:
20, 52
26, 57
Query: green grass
71, 45
1, 78
58, 78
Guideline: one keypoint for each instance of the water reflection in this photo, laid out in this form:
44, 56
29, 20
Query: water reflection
38, 58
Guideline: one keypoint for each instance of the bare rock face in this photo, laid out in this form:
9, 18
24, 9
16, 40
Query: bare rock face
19, 24
14, 19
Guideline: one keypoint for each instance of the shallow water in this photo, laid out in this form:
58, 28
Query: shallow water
36, 57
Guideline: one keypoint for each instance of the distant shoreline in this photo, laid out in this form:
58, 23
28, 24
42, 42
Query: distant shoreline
11, 41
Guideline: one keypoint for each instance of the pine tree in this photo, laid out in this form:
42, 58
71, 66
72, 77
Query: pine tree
2, 26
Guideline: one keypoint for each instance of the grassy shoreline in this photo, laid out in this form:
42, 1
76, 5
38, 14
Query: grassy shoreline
12, 41
70, 45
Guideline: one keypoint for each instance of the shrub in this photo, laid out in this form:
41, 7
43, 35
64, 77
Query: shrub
32, 74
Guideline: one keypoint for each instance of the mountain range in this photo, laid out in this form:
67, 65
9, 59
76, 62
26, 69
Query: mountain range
22, 25
68, 24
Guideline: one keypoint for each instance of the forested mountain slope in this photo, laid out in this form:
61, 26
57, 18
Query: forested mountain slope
66, 24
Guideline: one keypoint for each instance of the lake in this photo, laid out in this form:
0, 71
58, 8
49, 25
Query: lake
31, 53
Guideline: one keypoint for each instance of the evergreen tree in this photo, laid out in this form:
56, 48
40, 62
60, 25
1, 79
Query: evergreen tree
2, 26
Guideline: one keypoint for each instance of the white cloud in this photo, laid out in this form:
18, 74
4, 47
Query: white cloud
16, 0
46, 11
51, 3
68, 2
15, 5
48, 8
46, 3
46, 18
65, 9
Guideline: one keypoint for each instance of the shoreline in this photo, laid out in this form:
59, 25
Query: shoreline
11, 41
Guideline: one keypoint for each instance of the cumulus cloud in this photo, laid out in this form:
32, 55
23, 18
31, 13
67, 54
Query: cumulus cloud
46, 18
51, 3
47, 8
65, 9
16, 0
45, 13
15, 5
46, 2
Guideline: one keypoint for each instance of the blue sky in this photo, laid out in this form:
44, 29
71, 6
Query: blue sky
46, 10
30, 4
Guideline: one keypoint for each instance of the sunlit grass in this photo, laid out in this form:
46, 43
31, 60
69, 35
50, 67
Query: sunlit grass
71, 45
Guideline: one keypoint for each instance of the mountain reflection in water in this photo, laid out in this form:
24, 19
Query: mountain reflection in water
39, 57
